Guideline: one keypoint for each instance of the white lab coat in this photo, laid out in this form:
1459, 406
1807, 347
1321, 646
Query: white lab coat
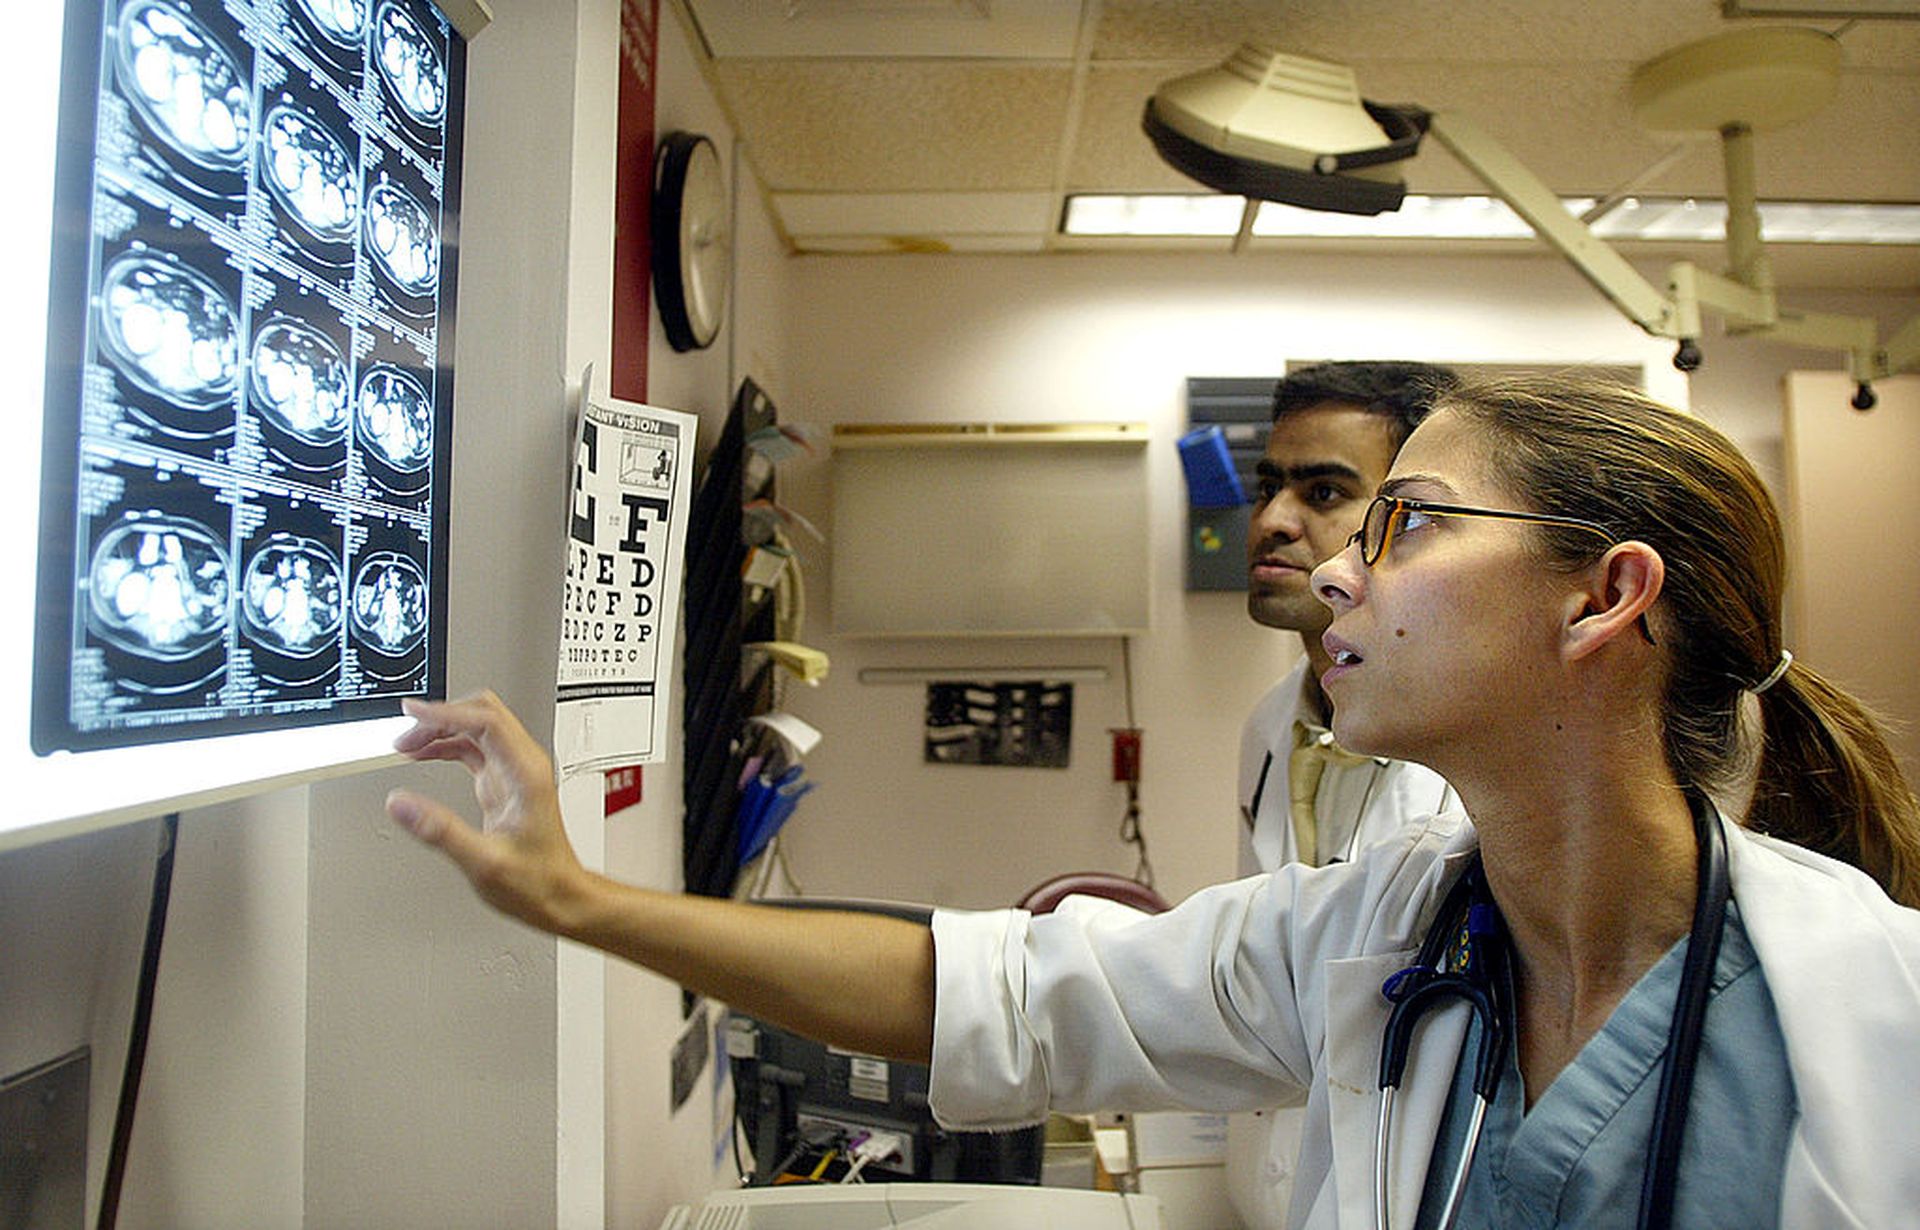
1264, 990
1262, 1146
1403, 792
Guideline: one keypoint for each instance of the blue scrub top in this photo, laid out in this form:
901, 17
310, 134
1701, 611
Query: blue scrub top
1577, 1158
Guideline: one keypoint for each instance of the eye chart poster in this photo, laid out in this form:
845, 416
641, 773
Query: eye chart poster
626, 537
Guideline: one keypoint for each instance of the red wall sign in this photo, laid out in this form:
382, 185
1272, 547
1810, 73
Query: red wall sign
633, 197
623, 788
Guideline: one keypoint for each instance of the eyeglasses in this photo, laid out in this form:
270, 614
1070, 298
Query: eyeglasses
1387, 516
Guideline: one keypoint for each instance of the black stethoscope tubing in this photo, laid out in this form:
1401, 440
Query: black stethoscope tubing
1486, 984
1689, 1016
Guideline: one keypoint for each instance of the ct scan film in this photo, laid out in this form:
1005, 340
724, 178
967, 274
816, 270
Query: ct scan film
249, 380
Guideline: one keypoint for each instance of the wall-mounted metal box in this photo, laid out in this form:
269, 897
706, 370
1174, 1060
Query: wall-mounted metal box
1242, 407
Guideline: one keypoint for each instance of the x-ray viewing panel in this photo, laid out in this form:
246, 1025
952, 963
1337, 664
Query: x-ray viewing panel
249, 367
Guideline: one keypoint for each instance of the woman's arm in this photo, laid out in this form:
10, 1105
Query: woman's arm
859, 981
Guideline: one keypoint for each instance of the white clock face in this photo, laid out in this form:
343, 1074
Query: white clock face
706, 244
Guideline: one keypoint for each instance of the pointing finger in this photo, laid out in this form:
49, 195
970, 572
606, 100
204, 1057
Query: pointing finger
482, 717
423, 744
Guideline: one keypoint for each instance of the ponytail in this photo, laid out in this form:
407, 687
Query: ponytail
1609, 455
1828, 781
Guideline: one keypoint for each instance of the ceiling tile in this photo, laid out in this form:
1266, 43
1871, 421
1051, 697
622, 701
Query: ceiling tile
877, 126
1518, 31
1576, 131
941, 29
917, 245
915, 213
1112, 154
1826, 158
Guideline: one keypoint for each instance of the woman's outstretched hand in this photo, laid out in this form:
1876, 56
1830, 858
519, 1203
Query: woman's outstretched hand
519, 860
860, 981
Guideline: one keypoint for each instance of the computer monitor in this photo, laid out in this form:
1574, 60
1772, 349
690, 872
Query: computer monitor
796, 1100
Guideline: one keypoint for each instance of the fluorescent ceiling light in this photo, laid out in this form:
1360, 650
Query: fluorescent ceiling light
1419, 217
1780, 221
1213, 215
1827, 9
1175, 214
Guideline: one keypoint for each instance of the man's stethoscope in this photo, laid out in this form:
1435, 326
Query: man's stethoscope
1465, 955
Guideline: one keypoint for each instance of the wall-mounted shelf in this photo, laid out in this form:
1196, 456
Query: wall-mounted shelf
934, 435
981, 674
990, 529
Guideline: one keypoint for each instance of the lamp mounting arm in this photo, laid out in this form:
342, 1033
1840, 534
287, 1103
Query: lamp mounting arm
1528, 196
1902, 352
1746, 298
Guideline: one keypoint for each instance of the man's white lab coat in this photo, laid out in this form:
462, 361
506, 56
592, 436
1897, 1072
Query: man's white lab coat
1401, 791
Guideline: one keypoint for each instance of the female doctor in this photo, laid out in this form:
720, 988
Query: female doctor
1564, 601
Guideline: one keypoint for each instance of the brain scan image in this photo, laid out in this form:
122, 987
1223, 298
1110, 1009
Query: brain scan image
159, 587
403, 239
390, 602
171, 330
186, 86
310, 173
409, 63
301, 381
343, 21
291, 595
393, 418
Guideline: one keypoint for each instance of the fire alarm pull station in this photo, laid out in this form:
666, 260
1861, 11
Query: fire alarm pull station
1126, 753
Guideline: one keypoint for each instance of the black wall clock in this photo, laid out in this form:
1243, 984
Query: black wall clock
692, 241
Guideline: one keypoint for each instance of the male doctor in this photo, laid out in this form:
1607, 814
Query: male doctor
1303, 798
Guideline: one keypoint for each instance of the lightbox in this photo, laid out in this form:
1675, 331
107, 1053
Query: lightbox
233, 430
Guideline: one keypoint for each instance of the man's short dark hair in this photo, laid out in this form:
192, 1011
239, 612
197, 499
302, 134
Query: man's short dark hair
1403, 392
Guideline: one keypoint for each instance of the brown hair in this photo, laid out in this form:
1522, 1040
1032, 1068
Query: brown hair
1583, 448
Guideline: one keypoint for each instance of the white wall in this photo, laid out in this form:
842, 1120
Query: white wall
223, 1103
432, 1056
929, 338
1852, 478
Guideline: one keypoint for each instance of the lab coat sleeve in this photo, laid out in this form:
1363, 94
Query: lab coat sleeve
1215, 1005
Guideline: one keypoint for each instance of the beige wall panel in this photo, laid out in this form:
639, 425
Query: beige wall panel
1855, 581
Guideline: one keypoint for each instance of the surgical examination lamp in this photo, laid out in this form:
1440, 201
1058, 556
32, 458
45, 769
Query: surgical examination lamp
1277, 127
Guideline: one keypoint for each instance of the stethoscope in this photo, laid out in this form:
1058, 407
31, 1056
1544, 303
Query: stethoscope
1465, 955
